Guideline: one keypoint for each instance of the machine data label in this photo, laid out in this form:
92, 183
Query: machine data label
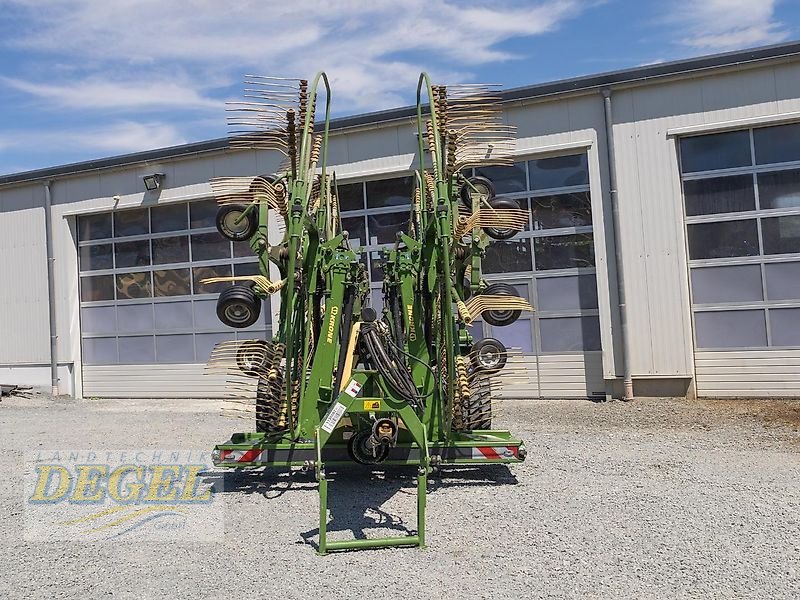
352, 388
333, 417
372, 404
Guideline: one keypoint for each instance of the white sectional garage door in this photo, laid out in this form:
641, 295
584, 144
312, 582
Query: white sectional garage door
742, 202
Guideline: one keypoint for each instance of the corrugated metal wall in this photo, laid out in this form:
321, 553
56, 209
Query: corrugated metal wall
24, 321
652, 230
152, 381
754, 373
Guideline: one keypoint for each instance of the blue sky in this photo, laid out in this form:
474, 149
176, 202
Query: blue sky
83, 79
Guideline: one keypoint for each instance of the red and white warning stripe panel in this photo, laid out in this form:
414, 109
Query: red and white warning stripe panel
242, 456
495, 452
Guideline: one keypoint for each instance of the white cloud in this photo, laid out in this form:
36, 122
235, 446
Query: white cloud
362, 45
117, 137
717, 25
94, 92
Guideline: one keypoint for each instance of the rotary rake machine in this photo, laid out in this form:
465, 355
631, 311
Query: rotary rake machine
339, 383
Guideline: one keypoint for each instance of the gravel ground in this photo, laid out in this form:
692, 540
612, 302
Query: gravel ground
657, 498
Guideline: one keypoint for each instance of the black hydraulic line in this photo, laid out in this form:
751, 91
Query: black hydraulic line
344, 335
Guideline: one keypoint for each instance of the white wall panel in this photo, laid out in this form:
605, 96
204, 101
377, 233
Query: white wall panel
153, 381
24, 321
571, 375
755, 373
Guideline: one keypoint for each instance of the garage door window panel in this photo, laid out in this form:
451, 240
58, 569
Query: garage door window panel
780, 189
564, 252
169, 250
562, 211
785, 326
96, 257
132, 254
170, 217
719, 195
559, 172
781, 234
731, 329
723, 239
777, 144
715, 152
131, 222
712, 285
94, 227
783, 281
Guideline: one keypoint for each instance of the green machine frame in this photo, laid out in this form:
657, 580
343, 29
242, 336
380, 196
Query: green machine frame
339, 383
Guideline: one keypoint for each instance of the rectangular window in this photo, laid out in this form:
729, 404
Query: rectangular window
203, 214
134, 318
94, 227
570, 334
390, 192
356, 229
559, 171
785, 326
575, 292
731, 329
94, 258
383, 228
172, 282
779, 190
777, 144
506, 180
134, 285
719, 195
562, 210
564, 252
508, 257
132, 254
98, 319
723, 239
351, 196
97, 288
170, 250
210, 246
783, 281
781, 234
131, 222
136, 349
99, 351
170, 217
717, 151
713, 285
207, 272
758, 279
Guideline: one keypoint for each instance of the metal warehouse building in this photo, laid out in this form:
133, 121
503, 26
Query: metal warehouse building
664, 198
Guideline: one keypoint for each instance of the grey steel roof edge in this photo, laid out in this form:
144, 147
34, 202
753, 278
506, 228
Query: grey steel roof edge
562, 86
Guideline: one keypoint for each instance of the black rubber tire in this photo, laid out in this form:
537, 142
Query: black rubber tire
236, 232
502, 233
500, 318
465, 192
238, 306
489, 355
253, 357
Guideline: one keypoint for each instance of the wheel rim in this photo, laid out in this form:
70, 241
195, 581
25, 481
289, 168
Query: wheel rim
238, 313
231, 225
489, 358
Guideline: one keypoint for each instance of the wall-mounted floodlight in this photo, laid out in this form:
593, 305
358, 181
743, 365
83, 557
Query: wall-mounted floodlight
153, 181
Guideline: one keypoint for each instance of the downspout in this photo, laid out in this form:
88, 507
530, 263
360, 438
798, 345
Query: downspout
623, 311
51, 288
